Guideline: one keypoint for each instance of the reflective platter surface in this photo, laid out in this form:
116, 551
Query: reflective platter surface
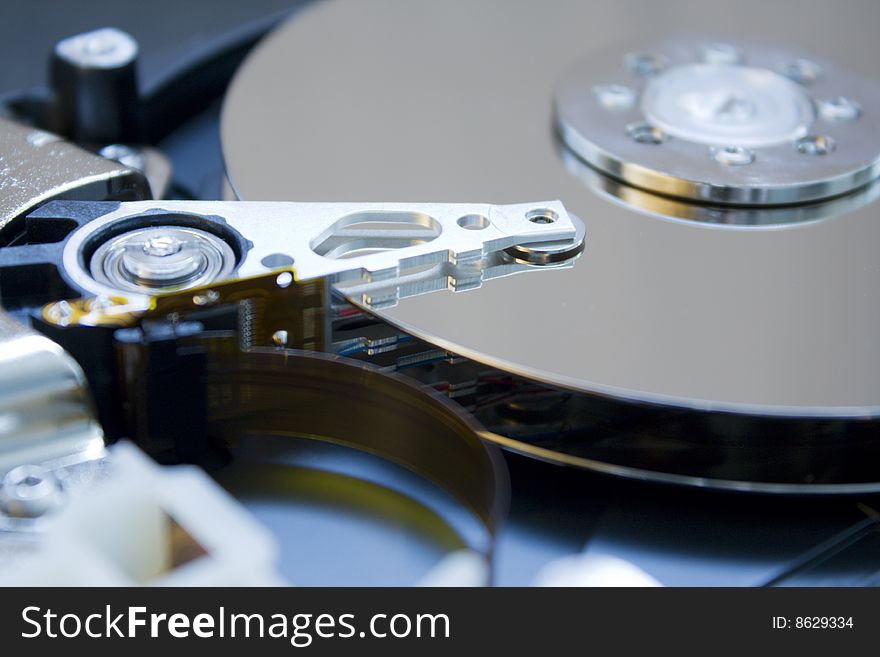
697, 307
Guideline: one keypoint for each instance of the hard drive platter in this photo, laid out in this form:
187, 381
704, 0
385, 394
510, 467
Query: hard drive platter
735, 316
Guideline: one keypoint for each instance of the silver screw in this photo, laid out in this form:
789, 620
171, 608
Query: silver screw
207, 298
733, 156
29, 491
101, 303
835, 110
644, 133
614, 96
284, 279
815, 145
162, 246
721, 54
644, 64
60, 313
802, 71
280, 338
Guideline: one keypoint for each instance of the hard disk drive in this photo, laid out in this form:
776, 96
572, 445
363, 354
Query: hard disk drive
633, 246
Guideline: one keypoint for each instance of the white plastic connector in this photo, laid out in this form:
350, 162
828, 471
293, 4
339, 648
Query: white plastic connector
459, 568
593, 570
150, 525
